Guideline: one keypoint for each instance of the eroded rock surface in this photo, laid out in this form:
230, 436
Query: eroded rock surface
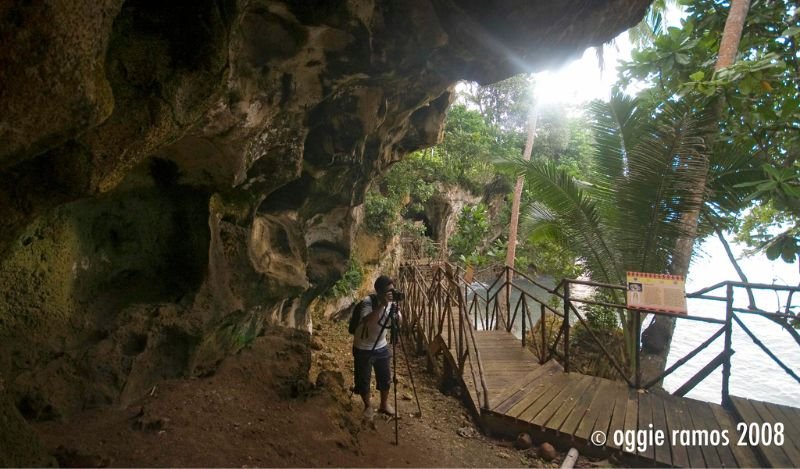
175, 178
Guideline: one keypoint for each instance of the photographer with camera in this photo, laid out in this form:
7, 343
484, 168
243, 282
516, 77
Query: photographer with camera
370, 347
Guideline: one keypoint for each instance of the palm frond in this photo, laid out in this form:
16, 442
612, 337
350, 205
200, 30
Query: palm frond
663, 171
576, 215
652, 25
615, 129
616, 126
729, 167
630, 206
540, 224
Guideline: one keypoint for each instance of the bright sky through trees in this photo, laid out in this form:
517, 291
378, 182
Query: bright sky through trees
582, 80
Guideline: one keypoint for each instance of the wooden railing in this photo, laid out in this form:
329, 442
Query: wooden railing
735, 313
417, 250
437, 305
732, 315
442, 303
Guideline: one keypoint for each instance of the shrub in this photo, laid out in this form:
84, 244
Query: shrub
351, 280
471, 229
380, 214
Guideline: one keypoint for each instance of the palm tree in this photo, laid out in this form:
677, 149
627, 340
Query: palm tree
515, 203
625, 213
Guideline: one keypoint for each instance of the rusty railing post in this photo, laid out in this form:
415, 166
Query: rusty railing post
542, 332
462, 317
637, 325
508, 298
524, 312
726, 365
486, 316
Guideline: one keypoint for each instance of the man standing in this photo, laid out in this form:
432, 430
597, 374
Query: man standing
370, 348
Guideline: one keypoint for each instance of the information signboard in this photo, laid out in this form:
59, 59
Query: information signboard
656, 292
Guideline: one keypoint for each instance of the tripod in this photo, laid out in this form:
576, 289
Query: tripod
391, 321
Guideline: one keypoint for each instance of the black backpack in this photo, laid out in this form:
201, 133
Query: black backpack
355, 315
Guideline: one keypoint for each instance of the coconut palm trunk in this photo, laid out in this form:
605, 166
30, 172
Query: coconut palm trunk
656, 339
511, 252
526, 155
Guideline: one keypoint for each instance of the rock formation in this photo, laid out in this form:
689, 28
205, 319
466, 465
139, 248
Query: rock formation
176, 176
443, 209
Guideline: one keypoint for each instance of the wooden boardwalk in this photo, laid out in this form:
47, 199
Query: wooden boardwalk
510, 392
786, 454
566, 409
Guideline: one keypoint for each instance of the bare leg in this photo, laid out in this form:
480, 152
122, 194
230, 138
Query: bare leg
384, 399
366, 398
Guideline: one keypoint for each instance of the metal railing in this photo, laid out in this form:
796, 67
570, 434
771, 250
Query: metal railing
442, 303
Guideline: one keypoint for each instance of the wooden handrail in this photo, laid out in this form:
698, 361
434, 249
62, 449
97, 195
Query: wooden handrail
524, 293
596, 284
441, 314
766, 350
763, 313
445, 278
477, 358
535, 282
685, 359
703, 373
602, 347
754, 286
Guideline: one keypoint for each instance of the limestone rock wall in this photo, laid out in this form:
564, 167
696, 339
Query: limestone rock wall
175, 177
376, 255
443, 209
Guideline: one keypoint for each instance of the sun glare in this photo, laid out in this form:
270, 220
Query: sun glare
583, 79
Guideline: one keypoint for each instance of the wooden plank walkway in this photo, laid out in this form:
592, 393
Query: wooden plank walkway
765, 417
509, 361
567, 408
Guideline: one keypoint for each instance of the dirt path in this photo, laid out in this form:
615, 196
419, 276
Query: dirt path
260, 409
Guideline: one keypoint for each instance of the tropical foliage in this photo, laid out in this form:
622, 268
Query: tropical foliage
755, 189
471, 230
624, 213
405, 188
619, 192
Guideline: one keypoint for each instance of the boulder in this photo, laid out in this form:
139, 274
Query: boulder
547, 452
523, 441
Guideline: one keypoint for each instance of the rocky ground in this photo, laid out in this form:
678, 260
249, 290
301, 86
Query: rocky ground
260, 409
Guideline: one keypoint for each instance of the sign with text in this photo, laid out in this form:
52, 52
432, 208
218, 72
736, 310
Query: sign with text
656, 292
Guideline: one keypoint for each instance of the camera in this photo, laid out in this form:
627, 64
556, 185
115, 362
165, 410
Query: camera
397, 295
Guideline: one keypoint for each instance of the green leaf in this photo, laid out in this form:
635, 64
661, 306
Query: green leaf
771, 171
745, 88
792, 31
789, 251
747, 184
697, 76
767, 186
774, 250
790, 190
